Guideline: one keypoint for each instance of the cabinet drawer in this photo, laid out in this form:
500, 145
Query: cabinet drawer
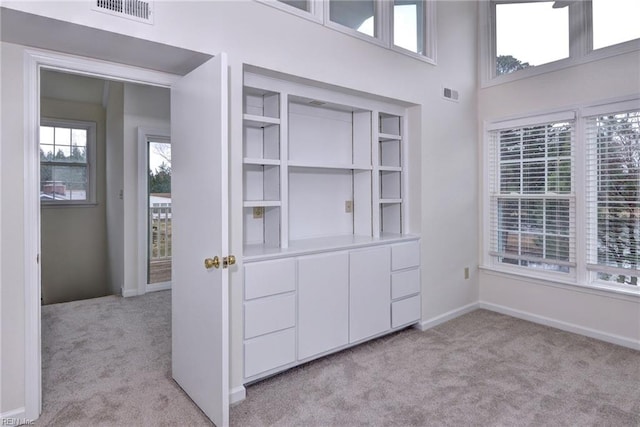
405, 311
269, 352
404, 283
270, 314
405, 255
269, 278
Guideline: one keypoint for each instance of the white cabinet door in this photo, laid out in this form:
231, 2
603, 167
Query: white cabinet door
200, 300
369, 292
323, 303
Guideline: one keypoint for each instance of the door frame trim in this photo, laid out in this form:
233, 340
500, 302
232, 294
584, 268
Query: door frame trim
34, 61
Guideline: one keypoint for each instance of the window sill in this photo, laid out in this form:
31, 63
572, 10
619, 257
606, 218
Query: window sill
602, 290
69, 205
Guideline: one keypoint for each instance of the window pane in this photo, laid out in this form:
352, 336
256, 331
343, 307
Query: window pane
534, 225
510, 177
409, 25
529, 34
615, 21
79, 137
63, 182
356, 14
46, 152
617, 202
63, 136
298, 4
46, 135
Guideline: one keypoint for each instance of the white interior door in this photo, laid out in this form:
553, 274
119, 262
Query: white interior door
199, 138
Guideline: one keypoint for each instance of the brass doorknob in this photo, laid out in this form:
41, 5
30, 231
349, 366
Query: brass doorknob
210, 263
228, 260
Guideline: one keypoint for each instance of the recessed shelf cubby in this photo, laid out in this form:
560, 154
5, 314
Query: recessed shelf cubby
261, 226
390, 124
390, 218
261, 124
261, 182
328, 135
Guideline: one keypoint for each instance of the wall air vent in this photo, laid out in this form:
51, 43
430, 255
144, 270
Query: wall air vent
138, 10
450, 94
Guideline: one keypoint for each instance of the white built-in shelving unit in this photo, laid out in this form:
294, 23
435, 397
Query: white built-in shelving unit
328, 259
317, 169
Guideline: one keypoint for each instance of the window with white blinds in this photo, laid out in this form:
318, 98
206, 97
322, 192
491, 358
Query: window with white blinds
613, 197
532, 202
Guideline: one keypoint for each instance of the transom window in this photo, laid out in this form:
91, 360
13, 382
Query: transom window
526, 34
409, 26
66, 162
529, 34
614, 22
406, 26
357, 15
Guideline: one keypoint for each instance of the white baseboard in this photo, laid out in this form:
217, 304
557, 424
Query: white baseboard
237, 395
569, 327
428, 324
154, 287
16, 417
129, 292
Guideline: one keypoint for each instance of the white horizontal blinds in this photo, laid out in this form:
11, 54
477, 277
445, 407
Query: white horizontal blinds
613, 196
532, 197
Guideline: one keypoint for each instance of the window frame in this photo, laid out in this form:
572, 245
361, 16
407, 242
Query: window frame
430, 32
90, 164
492, 191
582, 276
580, 44
319, 13
592, 183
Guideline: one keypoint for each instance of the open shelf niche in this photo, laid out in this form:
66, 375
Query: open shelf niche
262, 167
390, 173
318, 169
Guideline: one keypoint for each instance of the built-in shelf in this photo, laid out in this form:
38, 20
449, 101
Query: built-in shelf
260, 121
385, 137
259, 161
328, 165
390, 168
322, 244
261, 203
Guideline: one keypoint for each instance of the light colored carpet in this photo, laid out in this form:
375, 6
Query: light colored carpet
107, 362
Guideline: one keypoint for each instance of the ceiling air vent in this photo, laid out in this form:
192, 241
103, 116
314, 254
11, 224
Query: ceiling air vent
138, 10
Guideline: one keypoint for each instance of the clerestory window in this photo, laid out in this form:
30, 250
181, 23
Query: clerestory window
405, 26
539, 35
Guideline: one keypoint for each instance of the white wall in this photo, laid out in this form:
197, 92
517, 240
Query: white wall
603, 315
12, 273
148, 107
114, 186
74, 239
256, 34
